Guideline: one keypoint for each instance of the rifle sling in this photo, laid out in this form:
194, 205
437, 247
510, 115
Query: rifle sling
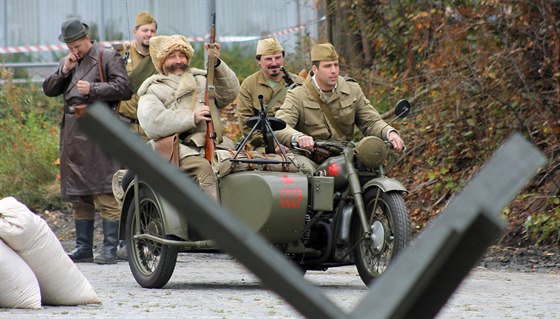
324, 107
279, 95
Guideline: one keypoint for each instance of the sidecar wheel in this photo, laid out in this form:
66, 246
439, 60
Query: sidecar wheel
151, 263
389, 230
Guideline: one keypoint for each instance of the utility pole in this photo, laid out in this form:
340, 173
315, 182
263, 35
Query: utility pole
101, 20
5, 19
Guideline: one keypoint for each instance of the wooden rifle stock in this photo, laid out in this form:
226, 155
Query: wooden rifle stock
210, 142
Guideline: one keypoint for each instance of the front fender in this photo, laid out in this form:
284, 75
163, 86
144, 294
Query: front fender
386, 184
173, 222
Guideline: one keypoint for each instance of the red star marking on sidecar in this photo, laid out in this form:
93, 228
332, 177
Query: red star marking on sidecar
288, 180
333, 169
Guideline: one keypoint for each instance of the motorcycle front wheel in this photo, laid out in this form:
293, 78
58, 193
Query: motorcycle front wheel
387, 219
151, 263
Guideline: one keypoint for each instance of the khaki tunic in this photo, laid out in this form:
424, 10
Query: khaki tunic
128, 108
248, 100
167, 103
302, 113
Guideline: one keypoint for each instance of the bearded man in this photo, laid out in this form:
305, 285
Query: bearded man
139, 66
268, 81
171, 102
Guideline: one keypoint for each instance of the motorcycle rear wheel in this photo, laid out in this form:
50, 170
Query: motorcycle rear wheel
151, 263
389, 227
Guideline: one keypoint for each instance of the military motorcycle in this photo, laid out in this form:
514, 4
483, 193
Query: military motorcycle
347, 212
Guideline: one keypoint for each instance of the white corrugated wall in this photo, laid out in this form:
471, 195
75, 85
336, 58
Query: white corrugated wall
35, 22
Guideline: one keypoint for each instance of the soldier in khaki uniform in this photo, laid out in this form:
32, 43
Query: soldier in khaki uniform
268, 82
326, 107
139, 66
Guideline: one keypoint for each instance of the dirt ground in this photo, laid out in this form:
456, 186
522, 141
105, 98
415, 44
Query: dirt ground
499, 257
216, 286
507, 283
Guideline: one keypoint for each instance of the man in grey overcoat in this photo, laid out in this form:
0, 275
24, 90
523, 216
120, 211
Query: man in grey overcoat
85, 172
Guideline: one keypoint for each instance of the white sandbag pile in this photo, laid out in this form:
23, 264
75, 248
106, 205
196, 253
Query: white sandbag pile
59, 280
18, 286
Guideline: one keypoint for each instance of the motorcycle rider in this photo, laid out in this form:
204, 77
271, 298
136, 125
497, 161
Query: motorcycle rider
326, 107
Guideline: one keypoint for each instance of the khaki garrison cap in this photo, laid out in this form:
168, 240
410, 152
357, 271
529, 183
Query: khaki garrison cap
323, 52
144, 18
269, 46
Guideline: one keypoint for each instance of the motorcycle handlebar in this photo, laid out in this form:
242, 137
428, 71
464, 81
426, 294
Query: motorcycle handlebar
339, 145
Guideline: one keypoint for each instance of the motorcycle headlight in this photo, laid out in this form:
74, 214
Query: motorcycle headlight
371, 151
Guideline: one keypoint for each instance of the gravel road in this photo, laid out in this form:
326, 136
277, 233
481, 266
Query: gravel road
216, 286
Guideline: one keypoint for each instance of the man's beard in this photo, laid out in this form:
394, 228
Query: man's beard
274, 70
145, 46
176, 66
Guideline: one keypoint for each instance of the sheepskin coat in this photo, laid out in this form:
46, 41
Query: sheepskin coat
167, 103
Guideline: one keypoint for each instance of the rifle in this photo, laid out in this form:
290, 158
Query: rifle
287, 77
209, 93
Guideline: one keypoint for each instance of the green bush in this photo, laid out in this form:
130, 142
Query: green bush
543, 227
29, 144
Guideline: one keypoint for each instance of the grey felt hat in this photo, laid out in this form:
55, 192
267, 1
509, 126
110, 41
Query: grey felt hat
72, 30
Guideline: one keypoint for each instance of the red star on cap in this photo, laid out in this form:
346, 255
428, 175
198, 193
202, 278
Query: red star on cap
287, 180
333, 169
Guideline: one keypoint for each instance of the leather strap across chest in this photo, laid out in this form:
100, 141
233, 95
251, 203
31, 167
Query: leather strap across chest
324, 107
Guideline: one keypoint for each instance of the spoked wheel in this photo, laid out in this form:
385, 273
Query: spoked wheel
387, 218
151, 263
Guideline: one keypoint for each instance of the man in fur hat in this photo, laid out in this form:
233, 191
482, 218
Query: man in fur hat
85, 172
139, 66
172, 102
268, 81
327, 107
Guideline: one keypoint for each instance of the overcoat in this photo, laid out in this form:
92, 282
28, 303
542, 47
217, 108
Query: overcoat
167, 103
84, 168
303, 114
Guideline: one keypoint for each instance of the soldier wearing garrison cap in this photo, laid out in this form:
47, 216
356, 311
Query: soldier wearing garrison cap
85, 171
268, 82
139, 67
327, 107
172, 102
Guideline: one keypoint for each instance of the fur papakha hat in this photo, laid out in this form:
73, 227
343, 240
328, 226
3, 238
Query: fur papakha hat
323, 52
269, 46
163, 45
144, 18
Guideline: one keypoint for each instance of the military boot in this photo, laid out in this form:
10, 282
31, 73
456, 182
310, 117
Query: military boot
110, 241
84, 242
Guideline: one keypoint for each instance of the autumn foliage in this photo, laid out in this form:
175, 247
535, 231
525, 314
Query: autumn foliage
476, 71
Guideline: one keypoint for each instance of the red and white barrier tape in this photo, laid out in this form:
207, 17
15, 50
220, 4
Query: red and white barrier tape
62, 47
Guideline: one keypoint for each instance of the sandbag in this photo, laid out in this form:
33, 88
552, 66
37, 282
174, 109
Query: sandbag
60, 280
222, 164
18, 286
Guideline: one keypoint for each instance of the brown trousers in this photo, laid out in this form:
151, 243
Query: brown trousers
201, 171
105, 204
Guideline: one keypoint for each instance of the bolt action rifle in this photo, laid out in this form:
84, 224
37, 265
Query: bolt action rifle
287, 77
209, 93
